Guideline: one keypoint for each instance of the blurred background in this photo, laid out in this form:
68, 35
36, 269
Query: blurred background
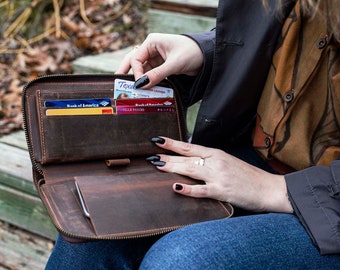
44, 36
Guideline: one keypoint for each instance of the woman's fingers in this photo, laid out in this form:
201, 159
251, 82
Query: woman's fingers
200, 191
187, 149
194, 167
161, 55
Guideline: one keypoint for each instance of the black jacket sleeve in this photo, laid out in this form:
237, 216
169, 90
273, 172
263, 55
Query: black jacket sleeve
192, 87
315, 196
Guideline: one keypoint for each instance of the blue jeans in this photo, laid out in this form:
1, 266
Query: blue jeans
258, 241
264, 241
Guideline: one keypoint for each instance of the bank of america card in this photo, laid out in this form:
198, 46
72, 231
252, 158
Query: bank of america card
79, 111
145, 102
124, 89
78, 103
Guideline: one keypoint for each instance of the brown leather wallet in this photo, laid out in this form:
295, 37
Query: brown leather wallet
90, 168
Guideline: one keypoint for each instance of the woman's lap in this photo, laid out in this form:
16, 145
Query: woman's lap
266, 241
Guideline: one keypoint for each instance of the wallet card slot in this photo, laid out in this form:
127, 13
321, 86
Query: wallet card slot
108, 131
44, 95
87, 137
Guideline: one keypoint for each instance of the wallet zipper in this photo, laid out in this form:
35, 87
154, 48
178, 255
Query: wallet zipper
123, 237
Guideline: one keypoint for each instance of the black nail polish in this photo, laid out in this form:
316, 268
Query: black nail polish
179, 187
158, 140
153, 158
159, 163
142, 81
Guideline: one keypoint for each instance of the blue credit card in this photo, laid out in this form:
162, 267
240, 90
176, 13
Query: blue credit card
78, 103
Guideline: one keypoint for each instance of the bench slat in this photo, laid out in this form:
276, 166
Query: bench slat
19, 202
26, 212
186, 8
19, 250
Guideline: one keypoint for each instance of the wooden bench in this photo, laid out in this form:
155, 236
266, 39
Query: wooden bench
19, 202
29, 247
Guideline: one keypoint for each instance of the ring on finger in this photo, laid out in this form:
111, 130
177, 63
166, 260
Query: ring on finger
200, 162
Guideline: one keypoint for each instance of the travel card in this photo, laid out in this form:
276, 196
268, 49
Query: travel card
78, 103
124, 89
79, 111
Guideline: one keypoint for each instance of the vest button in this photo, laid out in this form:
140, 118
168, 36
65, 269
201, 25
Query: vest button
288, 97
267, 142
321, 43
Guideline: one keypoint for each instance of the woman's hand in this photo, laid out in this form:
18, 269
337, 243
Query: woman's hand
227, 178
161, 55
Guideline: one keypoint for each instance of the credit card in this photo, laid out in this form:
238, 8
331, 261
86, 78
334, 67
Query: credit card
145, 102
123, 89
79, 111
78, 103
144, 109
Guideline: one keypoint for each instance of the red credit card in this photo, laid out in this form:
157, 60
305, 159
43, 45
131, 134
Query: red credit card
145, 102
144, 109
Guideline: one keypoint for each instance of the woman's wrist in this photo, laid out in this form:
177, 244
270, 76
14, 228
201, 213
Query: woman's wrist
276, 199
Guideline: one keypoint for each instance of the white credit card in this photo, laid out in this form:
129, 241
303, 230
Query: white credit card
124, 89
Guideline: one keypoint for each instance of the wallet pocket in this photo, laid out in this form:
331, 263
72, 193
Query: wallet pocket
85, 137
130, 202
67, 137
112, 214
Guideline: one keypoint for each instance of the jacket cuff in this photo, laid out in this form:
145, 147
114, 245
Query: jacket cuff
206, 42
315, 206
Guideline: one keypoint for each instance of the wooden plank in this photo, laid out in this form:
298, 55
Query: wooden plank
185, 7
102, 63
11, 181
161, 21
19, 202
20, 250
15, 165
202, 3
16, 139
15, 161
26, 212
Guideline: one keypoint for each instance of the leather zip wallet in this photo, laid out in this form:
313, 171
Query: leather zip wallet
88, 150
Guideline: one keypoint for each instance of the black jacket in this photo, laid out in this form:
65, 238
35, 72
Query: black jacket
237, 57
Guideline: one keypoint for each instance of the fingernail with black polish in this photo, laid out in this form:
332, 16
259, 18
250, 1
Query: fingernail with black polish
159, 163
142, 81
158, 140
178, 187
153, 158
